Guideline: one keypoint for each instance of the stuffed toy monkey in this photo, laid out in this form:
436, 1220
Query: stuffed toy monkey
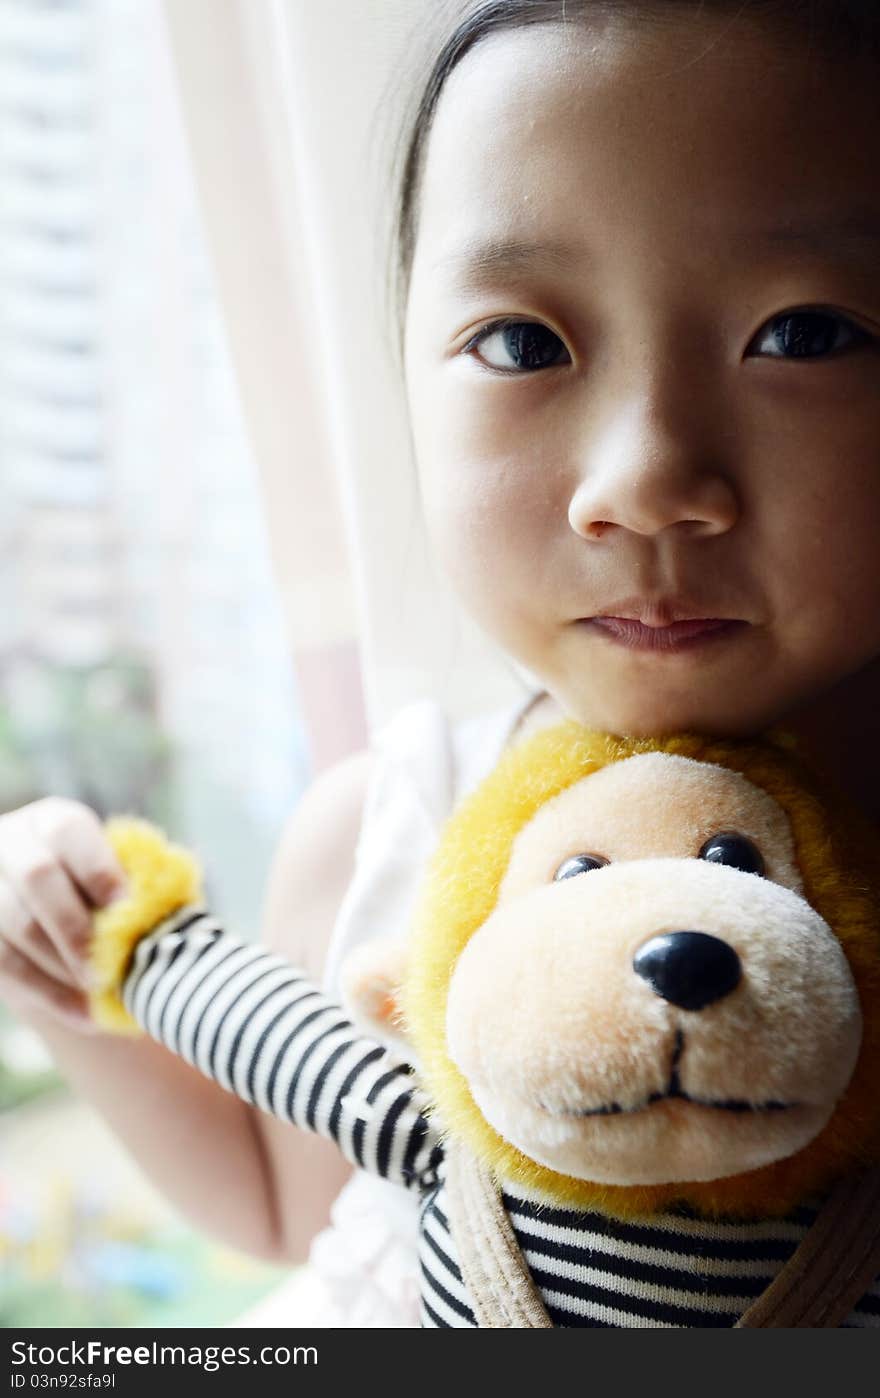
628, 1059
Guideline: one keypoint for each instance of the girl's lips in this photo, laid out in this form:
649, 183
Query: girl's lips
636, 636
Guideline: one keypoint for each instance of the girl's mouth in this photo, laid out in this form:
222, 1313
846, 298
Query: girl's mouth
634, 635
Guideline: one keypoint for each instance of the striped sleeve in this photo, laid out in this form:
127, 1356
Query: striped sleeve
252, 1022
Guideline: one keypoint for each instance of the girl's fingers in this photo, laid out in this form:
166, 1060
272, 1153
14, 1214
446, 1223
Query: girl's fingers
28, 937
25, 988
75, 833
47, 891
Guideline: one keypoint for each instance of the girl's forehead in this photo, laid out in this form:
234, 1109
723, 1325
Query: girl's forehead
703, 130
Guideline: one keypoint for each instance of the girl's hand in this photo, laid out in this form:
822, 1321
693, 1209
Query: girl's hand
56, 866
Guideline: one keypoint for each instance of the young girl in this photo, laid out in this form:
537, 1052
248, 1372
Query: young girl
639, 242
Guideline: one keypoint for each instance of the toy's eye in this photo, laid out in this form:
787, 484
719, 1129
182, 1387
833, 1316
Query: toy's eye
579, 864
735, 850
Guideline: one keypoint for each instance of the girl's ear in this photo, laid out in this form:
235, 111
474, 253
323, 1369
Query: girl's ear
371, 977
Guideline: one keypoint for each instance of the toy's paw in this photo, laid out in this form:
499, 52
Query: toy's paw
371, 976
162, 877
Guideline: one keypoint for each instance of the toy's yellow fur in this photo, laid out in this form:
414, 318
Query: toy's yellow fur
162, 877
840, 882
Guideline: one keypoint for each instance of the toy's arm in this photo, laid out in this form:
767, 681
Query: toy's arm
256, 1025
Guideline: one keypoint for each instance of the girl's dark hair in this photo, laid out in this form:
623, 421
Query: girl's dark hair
839, 29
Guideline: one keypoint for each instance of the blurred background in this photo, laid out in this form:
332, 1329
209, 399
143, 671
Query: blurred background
144, 664
213, 579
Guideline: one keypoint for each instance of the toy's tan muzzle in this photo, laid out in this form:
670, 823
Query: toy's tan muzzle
655, 1020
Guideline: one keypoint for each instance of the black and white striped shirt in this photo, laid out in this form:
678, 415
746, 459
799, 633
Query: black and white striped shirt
246, 1018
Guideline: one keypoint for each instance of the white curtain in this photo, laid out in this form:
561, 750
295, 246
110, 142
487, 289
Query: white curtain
292, 108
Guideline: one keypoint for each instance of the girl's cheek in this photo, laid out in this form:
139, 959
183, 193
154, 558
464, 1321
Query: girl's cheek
815, 498
493, 502
465, 513
519, 417
494, 549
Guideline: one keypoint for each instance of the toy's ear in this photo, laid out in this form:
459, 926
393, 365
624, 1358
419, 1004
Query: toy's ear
371, 977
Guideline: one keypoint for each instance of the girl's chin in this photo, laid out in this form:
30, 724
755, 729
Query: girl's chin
617, 689
655, 714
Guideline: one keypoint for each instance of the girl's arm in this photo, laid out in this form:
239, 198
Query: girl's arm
199, 1145
193, 1141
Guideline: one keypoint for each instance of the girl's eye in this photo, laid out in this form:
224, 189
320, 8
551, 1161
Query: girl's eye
579, 864
518, 346
807, 334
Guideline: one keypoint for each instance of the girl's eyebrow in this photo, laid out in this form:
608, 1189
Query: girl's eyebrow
858, 233
472, 265
478, 262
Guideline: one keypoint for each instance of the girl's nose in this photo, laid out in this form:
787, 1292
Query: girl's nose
643, 474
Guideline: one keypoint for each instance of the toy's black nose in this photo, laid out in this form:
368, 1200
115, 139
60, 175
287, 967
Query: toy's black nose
689, 969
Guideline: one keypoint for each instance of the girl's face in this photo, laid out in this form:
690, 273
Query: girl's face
643, 363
